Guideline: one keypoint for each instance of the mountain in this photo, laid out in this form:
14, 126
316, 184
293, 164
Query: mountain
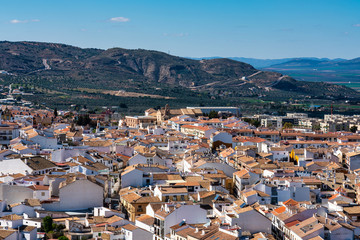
264, 63
346, 72
64, 71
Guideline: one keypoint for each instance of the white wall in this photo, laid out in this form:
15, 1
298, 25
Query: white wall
223, 137
42, 194
144, 226
31, 235
124, 150
12, 166
191, 213
247, 219
32, 223
14, 194
45, 142
21, 209
142, 234
133, 178
78, 195
228, 170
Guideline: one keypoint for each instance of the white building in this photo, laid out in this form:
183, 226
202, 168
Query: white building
79, 194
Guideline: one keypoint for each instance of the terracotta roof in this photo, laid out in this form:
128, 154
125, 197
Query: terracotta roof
171, 190
352, 210
11, 217
200, 128
99, 143
130, 227
307, 227
39, 187
188, 184
32, 202
290, 202
242, 174
6, 233
165, 176
352, 154
279, 210
249, 193
146, 219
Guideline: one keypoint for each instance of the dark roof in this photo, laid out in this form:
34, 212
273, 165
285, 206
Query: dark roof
38, 163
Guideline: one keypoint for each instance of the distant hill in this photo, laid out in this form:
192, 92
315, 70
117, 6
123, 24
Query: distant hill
62, 69
264, 63
346, 72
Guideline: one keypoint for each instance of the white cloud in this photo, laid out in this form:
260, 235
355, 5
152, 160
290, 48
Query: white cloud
16, 21
356, 25
119, 19
181, 34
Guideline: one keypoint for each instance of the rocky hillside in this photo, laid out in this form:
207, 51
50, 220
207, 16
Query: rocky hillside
64, 67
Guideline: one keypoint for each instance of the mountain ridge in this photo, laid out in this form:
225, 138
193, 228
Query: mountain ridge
263, 63
64, 67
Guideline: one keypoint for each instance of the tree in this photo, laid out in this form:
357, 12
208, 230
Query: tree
123, 105
55, 112
47, 224
353, 129
83, 120
213, 114
256, 123
287, 125
63, 238
316, 127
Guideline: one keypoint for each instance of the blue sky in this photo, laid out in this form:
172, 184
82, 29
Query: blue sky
192, 28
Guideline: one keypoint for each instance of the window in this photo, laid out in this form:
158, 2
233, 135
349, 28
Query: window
42, 194
174, 198
139, 209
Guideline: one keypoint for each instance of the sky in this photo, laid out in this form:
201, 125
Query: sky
192, 28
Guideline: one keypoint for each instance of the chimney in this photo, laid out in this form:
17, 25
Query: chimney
203, 232
106, 227
196, 230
